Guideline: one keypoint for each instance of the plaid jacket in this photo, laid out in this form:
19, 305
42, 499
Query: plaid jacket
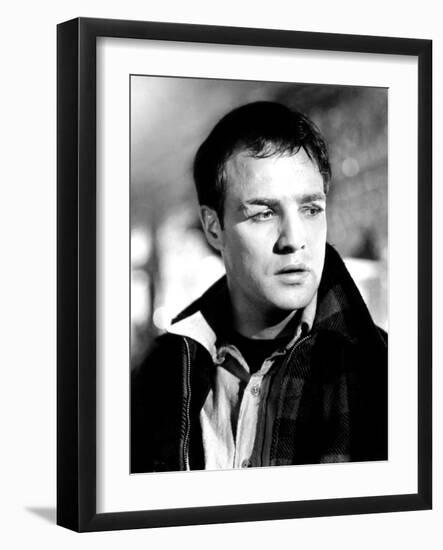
331, 401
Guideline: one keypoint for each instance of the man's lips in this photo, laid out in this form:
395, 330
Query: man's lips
299, 268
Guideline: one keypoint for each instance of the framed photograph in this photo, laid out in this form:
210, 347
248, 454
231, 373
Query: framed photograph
244, 216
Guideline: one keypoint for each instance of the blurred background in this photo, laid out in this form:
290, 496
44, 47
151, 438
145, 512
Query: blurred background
171, 263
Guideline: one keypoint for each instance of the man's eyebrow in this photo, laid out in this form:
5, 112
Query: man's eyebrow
311, 197
257, 201
267, 201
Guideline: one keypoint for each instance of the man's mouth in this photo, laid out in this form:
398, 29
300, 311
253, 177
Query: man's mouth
293, 274
298, 268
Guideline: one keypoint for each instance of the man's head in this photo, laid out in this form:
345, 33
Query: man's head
262, 176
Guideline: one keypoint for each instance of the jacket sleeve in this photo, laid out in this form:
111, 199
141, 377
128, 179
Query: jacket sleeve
155, 404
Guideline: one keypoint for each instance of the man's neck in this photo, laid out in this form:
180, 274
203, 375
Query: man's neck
259, 326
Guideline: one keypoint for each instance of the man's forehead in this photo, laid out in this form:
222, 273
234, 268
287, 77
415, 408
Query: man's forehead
244, 171
243, 163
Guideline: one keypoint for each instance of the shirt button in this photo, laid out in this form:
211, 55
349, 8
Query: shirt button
255, 390
246, 463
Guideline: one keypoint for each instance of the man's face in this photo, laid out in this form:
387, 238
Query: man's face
274, 235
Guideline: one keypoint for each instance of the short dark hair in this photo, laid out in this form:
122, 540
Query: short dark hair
263, 129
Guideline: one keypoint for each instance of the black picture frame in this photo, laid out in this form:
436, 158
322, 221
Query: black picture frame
77, 287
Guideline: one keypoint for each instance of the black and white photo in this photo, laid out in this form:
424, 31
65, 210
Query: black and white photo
252, 344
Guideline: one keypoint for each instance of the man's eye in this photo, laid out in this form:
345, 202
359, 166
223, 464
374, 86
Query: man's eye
265, 215
313, 210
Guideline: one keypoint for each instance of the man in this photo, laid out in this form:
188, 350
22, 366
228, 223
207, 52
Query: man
279, 362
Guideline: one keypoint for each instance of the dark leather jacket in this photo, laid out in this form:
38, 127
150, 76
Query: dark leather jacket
332, 387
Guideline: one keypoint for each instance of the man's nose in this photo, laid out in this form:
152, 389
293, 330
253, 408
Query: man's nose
291, 235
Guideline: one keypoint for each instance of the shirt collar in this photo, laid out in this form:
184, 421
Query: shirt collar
306, 322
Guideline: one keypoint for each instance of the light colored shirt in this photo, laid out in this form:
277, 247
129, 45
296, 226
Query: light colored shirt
230, 413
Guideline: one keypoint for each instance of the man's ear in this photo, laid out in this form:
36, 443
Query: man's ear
211, 227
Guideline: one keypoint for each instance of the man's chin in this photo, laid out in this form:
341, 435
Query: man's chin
290, 301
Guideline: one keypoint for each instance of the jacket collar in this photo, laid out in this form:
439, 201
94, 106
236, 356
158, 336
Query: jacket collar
341, 309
